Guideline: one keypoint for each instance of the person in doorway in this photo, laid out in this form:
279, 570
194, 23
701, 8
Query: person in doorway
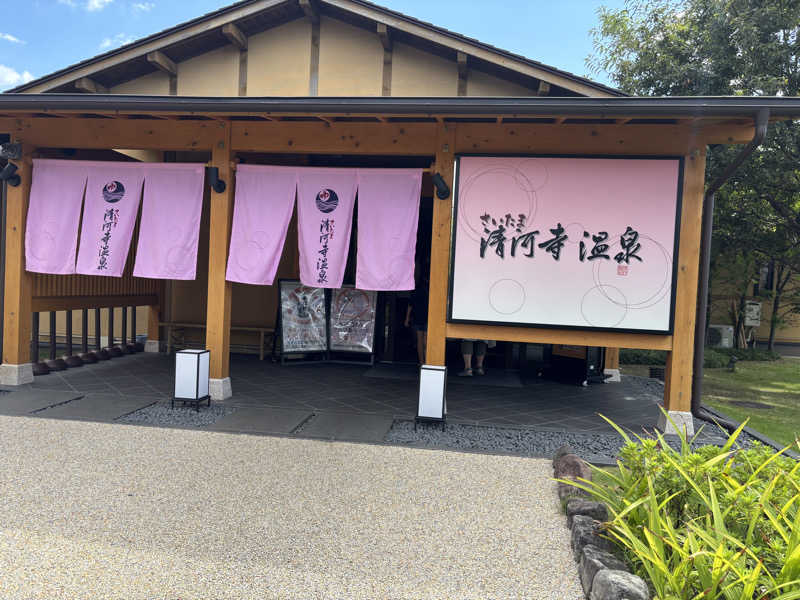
478, 348
417, 317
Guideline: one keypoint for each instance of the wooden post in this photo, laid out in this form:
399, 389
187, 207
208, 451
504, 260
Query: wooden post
440, 247
152, 343
16, 368
611, 366
218, 319
678, 374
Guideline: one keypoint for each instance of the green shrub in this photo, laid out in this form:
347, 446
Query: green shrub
748, 353
712, 359
634, 356
715, 358
711, 523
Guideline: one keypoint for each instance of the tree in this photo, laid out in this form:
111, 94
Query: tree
723, 47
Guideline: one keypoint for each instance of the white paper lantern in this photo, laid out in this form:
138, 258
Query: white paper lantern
191, 377
432, 387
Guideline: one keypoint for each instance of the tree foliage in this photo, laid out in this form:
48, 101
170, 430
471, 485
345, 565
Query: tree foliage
722, 48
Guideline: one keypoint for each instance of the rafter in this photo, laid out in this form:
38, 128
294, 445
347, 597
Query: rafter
162, 62
310, 10
235, 36
385, 36
90, 86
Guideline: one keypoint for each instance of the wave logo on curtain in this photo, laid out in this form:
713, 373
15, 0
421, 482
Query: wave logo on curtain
327, 201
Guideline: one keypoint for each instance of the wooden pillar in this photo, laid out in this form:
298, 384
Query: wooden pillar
16, 368
440, 246
611, 366
153, 317
218, 318
678, 374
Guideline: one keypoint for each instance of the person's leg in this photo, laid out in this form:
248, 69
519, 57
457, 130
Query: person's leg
480, 353
421, 346
466, 352
424, 345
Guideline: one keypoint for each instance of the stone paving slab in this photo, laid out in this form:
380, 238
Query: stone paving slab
343, 426
96, 407
261, 420
26, 401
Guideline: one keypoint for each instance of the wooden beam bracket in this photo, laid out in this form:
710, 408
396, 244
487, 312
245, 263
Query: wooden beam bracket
235, 36
310, 9
544, 88
90, 86
385, 36
162, 62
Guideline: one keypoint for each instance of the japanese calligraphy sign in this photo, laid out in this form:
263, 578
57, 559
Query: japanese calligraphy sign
303, 318
352, 319
113, 193
581, 242
325, 199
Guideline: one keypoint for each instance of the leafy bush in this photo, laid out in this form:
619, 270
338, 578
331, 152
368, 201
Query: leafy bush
711, 523
712, 359
715, 358
634, 356
748, 353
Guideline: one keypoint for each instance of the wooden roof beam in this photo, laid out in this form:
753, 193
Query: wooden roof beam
385, 35
310, 10
162, 62
462, 64
544, 88
90, 86
235, 36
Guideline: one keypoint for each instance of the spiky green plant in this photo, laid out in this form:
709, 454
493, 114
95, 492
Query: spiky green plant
712, 523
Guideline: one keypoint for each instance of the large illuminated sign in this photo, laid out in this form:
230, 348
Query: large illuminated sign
566, 241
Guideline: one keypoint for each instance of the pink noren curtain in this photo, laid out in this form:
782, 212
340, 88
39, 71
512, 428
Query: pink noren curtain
170, 223
113, 192
325, 199
261, 214
51, 233
388, 212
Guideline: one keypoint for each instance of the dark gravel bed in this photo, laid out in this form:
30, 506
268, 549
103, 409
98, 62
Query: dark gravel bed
181, 416
597, 448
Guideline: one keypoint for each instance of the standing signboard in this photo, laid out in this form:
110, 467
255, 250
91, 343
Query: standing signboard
752, 314
352, 323
566, 242
303, 317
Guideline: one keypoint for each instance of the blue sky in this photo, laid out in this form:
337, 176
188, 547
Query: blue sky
38, 37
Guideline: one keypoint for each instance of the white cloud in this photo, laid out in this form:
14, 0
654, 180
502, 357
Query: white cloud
10, 77
89, 5
143, 6
10, 38
93, 5
118, 40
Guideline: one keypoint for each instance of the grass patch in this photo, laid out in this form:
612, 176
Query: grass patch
768, 393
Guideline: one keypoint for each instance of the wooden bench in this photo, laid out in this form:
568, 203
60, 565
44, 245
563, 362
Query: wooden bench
171, 326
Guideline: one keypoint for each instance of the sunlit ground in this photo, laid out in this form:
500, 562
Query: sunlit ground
768, 393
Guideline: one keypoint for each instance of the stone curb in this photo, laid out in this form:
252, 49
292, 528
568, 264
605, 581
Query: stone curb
603, 575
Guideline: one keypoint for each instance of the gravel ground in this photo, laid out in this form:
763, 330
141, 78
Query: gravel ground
598, 448
94, 510
181, 416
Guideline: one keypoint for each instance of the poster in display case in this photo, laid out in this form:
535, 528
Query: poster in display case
303, 316
352, 322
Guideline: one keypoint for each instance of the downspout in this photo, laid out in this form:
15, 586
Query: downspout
761, 122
